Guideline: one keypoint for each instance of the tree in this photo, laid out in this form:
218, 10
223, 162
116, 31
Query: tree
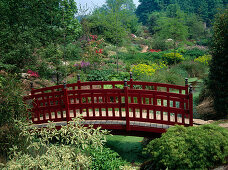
171, 24
206, 9
114, 20
146, 7
27, 24
218, 75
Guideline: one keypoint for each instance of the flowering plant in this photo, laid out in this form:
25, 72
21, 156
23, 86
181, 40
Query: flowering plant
152, 50
32, 73
94, 50
204, 59
146, 70
172, 58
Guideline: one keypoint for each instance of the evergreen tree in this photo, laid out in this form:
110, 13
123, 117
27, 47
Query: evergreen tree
218, 76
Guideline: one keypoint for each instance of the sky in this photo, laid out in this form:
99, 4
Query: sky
91, 4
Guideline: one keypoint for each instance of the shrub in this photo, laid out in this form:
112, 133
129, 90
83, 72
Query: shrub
105, 158
72, 51
99, 75
72, 147
172, 58
168, 76
11, 100
146, 70
205, 59
194, 69
198, 147
194, 53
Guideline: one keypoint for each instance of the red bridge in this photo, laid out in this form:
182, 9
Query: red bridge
116, 105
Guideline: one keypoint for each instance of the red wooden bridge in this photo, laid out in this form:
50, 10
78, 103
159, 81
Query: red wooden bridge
133, 106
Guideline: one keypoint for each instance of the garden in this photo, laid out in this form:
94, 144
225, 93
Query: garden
51, 43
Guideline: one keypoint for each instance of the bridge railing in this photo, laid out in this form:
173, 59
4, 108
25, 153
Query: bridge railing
132, 101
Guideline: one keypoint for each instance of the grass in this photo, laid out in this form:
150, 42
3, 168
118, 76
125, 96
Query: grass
128, 147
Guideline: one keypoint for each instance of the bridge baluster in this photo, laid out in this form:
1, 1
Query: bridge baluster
126, 105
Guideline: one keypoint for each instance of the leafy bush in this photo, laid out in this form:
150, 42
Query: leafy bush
105, 158
172, 58
72, 51
146, 70
11, 100
205, 59
72, 147
198, 147
194, 69
145, 58
168, 76
99, 75
194, 53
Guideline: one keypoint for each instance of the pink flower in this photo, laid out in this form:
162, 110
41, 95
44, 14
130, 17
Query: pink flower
33, 73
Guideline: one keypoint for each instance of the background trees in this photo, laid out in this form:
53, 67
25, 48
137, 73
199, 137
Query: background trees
218, 77
27, 24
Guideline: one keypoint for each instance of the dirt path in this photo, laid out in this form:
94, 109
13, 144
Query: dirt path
144, 48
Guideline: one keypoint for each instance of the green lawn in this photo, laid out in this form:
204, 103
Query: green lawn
128, 147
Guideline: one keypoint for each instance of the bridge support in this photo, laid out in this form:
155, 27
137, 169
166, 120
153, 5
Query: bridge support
66, 102
126, 105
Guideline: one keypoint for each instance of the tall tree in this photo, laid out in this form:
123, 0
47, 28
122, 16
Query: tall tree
218, 76
28, 24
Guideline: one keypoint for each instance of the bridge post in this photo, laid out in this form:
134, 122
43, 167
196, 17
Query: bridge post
79, 95
126, 105
66, 102
190, 106
131, 81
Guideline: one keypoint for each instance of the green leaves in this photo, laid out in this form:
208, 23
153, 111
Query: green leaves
189, 148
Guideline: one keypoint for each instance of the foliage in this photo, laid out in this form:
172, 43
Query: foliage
172, 58
72, 147
93, 51
198, 147
114, 20
11, 100
193, 69
99, 75
168, 76
194, 53
206, 9
218, 82
146, 70
72, 51
26, 25
205, 59
101, 159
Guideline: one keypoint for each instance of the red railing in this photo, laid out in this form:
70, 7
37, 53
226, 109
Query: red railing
134, 105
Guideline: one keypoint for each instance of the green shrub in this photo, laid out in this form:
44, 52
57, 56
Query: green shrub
105, 158
205, 59
194, 69
72, 51
194, 53
99, 75
168, 76
11, 100
144, 70
72, 147
198, 147
172, 58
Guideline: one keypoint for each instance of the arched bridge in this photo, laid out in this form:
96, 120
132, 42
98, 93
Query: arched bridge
123, 105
